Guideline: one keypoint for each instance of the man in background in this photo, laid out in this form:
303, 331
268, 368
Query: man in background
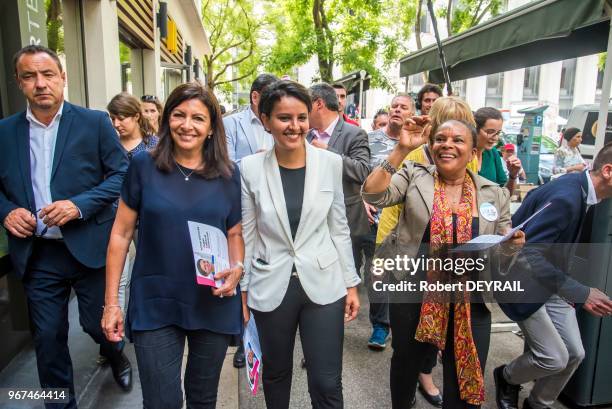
341, 94
244, 131
381, 119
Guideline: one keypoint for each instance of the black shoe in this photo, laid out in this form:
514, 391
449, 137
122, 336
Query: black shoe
239, 360
506, 394
435, 400
122, 371
526, 405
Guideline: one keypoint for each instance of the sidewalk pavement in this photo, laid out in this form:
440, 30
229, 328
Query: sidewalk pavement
365, 372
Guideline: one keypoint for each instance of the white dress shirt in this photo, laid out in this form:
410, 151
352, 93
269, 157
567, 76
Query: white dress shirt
591, 195
264, 139
42, 150
327, 133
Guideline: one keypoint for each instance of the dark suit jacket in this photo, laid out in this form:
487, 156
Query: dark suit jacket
351, 143
88, 168
550, 236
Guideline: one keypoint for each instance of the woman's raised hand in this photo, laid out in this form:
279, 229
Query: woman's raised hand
413, 133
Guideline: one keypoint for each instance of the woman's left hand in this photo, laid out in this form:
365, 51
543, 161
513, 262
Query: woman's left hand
514, 165
232, 278
351, 306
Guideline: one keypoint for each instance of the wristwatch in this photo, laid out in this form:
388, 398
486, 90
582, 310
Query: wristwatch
387, 167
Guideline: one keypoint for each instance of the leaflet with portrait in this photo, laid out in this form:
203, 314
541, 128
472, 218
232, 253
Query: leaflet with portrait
252, 354
210, 253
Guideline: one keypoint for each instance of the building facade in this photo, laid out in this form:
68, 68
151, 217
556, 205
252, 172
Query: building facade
107, 46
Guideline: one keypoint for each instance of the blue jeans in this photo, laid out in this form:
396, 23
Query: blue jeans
364, 247
159, 354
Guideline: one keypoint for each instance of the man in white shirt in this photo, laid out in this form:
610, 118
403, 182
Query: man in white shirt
546, 308
62, 167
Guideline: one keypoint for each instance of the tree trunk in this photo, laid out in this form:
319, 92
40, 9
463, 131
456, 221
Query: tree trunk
325, 42
449, 17
210, 77
417, 25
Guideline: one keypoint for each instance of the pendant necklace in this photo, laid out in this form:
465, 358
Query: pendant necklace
186, 175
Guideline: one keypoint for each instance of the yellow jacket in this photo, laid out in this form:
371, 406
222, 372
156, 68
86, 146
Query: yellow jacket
390, 215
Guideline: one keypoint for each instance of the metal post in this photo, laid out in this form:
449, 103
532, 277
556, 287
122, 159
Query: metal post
605, 94
444, 67
362, 74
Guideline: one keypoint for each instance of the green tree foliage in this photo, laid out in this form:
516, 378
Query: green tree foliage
233, 30
346, 33
55, 28
601, 61
468, 13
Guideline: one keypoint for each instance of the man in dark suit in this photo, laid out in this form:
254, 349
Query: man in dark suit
61, 170
330, 132
546, 313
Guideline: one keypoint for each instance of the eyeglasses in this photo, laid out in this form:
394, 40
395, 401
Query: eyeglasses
45, 229
493, 132
148, 98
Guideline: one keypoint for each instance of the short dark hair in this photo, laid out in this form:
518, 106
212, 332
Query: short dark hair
338, 85
428, 88
261, 83
379, 113
465, 124
484, 114
603, 157
280, 89
214, 153
35, 49
325, 92
569, 133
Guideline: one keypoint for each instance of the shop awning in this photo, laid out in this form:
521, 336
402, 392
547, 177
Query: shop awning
351, 82
537, 33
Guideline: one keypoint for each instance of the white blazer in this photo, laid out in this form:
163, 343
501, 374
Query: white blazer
321, 251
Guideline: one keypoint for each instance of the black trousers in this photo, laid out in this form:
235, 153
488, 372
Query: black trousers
321, 332
409, 354
160, 353
51, 274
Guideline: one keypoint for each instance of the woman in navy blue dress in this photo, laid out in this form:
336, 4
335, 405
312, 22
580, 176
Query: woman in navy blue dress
189, 177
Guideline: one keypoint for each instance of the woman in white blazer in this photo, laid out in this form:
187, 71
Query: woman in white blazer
299, 269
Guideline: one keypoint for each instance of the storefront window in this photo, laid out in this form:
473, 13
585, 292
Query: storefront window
566, 90
495, 87
171, 78
531, 83
459, 88
126, 70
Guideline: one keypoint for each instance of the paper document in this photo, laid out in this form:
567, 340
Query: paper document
210, 254
486, 241
252, 353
